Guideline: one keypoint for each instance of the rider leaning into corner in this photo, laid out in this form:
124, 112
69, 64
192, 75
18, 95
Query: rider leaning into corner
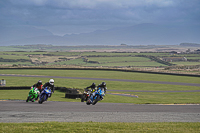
93, 88
103, 88
38, 85
49, 85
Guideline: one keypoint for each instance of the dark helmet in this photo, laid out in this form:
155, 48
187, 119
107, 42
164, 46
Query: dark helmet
93, 84
103, 83
39, 82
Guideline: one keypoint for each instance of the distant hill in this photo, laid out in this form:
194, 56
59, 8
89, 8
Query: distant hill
9, 34
143, 34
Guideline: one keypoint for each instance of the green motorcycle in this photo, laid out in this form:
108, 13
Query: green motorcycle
33, 95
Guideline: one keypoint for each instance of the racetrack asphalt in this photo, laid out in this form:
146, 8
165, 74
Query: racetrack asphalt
21, 111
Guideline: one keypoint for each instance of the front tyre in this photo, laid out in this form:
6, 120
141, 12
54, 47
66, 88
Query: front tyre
96, 100
42, 99
28, 98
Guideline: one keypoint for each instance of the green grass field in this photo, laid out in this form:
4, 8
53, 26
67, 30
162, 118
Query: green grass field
143, 97
187, 63
118, 59
129, 64
97, 127
103, 74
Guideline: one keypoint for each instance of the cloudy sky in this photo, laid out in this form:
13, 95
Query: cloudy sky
81, 16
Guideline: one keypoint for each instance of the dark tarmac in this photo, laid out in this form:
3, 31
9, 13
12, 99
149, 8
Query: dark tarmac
20, 111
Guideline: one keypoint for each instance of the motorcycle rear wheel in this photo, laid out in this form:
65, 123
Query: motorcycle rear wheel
88, 102
83, 98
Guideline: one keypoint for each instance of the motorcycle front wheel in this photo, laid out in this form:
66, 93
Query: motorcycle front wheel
96, 100
28, 98
42, 99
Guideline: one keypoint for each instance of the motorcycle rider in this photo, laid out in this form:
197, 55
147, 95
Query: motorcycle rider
103, 86
93, 88
38, 86
49, 85
88, 91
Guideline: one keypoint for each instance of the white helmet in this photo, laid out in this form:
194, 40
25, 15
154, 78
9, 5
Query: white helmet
51, 81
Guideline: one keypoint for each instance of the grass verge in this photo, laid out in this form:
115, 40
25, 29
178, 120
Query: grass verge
143, 97
98, 127
104, 74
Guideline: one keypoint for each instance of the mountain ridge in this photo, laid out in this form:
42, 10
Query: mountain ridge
142, 34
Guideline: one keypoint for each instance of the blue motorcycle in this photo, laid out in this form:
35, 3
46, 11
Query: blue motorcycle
99, 93
45, 94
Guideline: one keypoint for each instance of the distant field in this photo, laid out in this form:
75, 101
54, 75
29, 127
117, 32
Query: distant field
127, 64
76, 62
77, 59
148, 58
93, 59
187, 63
15, 56
118, 59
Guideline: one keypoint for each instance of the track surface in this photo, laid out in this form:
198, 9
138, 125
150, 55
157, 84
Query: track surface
20, 111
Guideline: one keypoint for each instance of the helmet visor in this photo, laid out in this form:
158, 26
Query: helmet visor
51, 83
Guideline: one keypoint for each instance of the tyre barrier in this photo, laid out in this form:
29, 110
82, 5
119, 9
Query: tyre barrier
67, 90
70, 93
